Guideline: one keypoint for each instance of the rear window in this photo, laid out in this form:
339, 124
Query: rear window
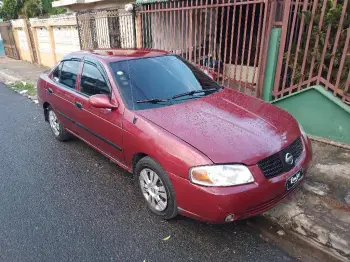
68, 74
159, 77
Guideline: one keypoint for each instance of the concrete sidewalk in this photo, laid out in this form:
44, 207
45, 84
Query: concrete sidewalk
12, 70
318, 213
320, 210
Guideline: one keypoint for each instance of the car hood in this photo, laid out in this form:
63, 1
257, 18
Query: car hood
227, 126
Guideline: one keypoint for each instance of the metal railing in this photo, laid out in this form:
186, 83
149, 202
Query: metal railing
314, 47
227, 38
106, 28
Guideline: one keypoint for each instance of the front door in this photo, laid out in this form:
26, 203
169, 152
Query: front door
99, 126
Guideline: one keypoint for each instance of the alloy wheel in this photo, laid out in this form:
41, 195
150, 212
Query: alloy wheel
153, 189
55, 126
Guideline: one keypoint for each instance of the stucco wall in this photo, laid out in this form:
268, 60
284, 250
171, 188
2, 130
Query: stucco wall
21, 37
55, 37
66, 40
44, 46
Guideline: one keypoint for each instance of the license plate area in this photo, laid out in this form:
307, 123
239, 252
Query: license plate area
294, 180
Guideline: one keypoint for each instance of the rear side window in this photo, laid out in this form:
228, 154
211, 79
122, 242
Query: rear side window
68, 73
56, 73
92, 81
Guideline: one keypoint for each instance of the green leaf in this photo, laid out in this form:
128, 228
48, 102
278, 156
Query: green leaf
166, 238
307, 16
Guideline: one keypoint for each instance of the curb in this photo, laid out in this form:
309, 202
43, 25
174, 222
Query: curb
289, 240
293, 218
9, 77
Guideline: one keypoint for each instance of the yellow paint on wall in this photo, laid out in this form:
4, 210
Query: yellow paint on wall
47, 59
60, 56
25, 55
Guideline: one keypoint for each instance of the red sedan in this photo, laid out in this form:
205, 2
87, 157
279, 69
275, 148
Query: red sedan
194, 147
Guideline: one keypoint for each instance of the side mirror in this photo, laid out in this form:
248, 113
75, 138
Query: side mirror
101, 101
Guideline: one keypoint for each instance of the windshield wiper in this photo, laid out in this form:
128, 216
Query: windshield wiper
153, 100
190, 93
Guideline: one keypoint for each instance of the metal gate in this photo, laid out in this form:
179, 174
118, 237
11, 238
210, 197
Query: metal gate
9, 40
106, 28
314, 47
227, 38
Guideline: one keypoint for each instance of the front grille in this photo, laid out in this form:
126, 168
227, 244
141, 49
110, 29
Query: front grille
275, 165
296, 148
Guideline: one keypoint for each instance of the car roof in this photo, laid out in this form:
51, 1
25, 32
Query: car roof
114, 55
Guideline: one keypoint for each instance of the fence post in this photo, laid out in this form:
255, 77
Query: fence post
36, 43
52, 43
138, 30
271, 62
78, 29
16, 41
270, 18
134, 26
26, 32
285, 19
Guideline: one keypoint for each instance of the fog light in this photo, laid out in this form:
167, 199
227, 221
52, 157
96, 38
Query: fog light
230, 218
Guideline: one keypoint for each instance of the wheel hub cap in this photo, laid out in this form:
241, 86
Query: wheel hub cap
153, 189
55, 126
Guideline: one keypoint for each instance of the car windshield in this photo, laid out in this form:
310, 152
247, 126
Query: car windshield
160, 81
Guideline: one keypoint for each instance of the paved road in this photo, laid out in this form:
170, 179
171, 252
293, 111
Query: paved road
66, 202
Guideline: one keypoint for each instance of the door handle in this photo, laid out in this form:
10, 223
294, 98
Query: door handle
79, 105
50, 90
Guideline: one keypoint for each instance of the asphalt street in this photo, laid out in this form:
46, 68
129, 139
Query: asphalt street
66, 202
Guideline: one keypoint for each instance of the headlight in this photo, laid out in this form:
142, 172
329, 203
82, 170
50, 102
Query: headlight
302, 131
221, 175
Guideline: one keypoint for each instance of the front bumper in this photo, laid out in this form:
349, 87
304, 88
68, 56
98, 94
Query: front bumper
213, 204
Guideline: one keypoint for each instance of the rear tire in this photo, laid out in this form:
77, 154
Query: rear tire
57, 128
156, 188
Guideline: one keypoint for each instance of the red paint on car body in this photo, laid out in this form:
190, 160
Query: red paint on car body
224, 127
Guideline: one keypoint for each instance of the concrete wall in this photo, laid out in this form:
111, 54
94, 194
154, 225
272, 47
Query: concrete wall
44, 46
319, 112
66, 40
20, 33
54, 38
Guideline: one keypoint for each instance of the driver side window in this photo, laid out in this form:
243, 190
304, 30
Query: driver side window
92, 81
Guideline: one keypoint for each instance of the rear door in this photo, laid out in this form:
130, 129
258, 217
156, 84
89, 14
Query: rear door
62, 91
99, 126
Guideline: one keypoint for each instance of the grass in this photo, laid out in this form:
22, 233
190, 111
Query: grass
22, 85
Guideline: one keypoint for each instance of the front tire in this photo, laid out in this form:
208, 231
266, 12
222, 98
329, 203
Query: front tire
57, 128
156, 188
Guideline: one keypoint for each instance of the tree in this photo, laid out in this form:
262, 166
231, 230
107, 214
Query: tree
33, 8
12, 9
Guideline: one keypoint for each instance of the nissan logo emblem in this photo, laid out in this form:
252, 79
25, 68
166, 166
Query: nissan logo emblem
289, 159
